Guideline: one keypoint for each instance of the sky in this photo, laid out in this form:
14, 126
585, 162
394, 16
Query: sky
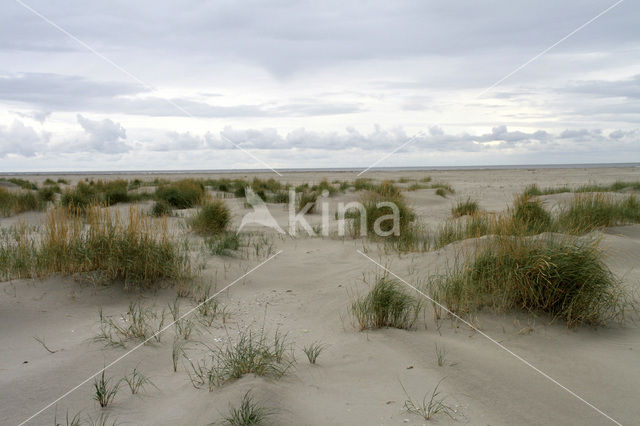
151, 85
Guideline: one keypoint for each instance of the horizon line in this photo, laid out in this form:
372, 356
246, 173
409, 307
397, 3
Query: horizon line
327, 169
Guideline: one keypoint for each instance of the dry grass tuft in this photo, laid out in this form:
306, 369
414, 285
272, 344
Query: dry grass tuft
386, 305
564, 278
137, 250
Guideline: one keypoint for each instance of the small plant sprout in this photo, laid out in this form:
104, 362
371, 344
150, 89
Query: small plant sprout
440, 355
44, 345
176, 351
73, 421
313, 351
248, 353
207, 307
248, 413
137, 381
137, 324
105, 392
184, 326
430, 407
102, 420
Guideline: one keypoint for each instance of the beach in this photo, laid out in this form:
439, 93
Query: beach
509, 368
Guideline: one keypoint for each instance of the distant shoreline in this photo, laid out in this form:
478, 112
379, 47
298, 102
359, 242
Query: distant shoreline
336, 169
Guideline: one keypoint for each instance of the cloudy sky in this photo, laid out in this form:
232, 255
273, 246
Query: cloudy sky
182, 85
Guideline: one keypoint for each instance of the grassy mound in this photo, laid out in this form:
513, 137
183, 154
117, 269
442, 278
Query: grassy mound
136, 250
182, 194
464, 208
18, 202
212, 218
563, 278
101, 192
591, 211
386, 305
375, 222
307, 197
48, 193
584, 213
161, 208
533, 190
530, 214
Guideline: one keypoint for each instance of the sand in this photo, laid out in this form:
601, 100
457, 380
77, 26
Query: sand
305, 291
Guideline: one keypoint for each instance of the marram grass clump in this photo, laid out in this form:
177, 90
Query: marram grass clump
182, 194
564, 278
380, 208
18, 202
587, 212
213, 218
531, 215
137, 249
161, 208
464, 208
583, 213
386, 305
307, 198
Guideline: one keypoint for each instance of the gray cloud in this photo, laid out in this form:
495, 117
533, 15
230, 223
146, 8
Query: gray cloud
74, 93
285, 37
625, 88
104, 135
379, 139
39, 116
60, 92
21, 140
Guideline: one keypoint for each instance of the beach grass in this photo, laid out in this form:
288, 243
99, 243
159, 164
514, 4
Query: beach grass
591, 211
562, 277
530, 215
137, 381
212, 218
12, 203
387, 304
182, 194
582, 214
305, 198
104, 390
379, 207
224, 244
249, 353
161, 208
313, 351
464, 208
249, 412
430, 406
136, 250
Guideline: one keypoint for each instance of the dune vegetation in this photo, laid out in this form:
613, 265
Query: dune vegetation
212, 218
136, 250
562, 277
464, 208
582, 214
18, 202
387, 304
377, 202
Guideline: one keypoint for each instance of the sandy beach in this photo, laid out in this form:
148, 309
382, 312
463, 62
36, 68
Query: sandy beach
304, 289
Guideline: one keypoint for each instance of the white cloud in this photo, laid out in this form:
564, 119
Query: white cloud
104, 135
21, 140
